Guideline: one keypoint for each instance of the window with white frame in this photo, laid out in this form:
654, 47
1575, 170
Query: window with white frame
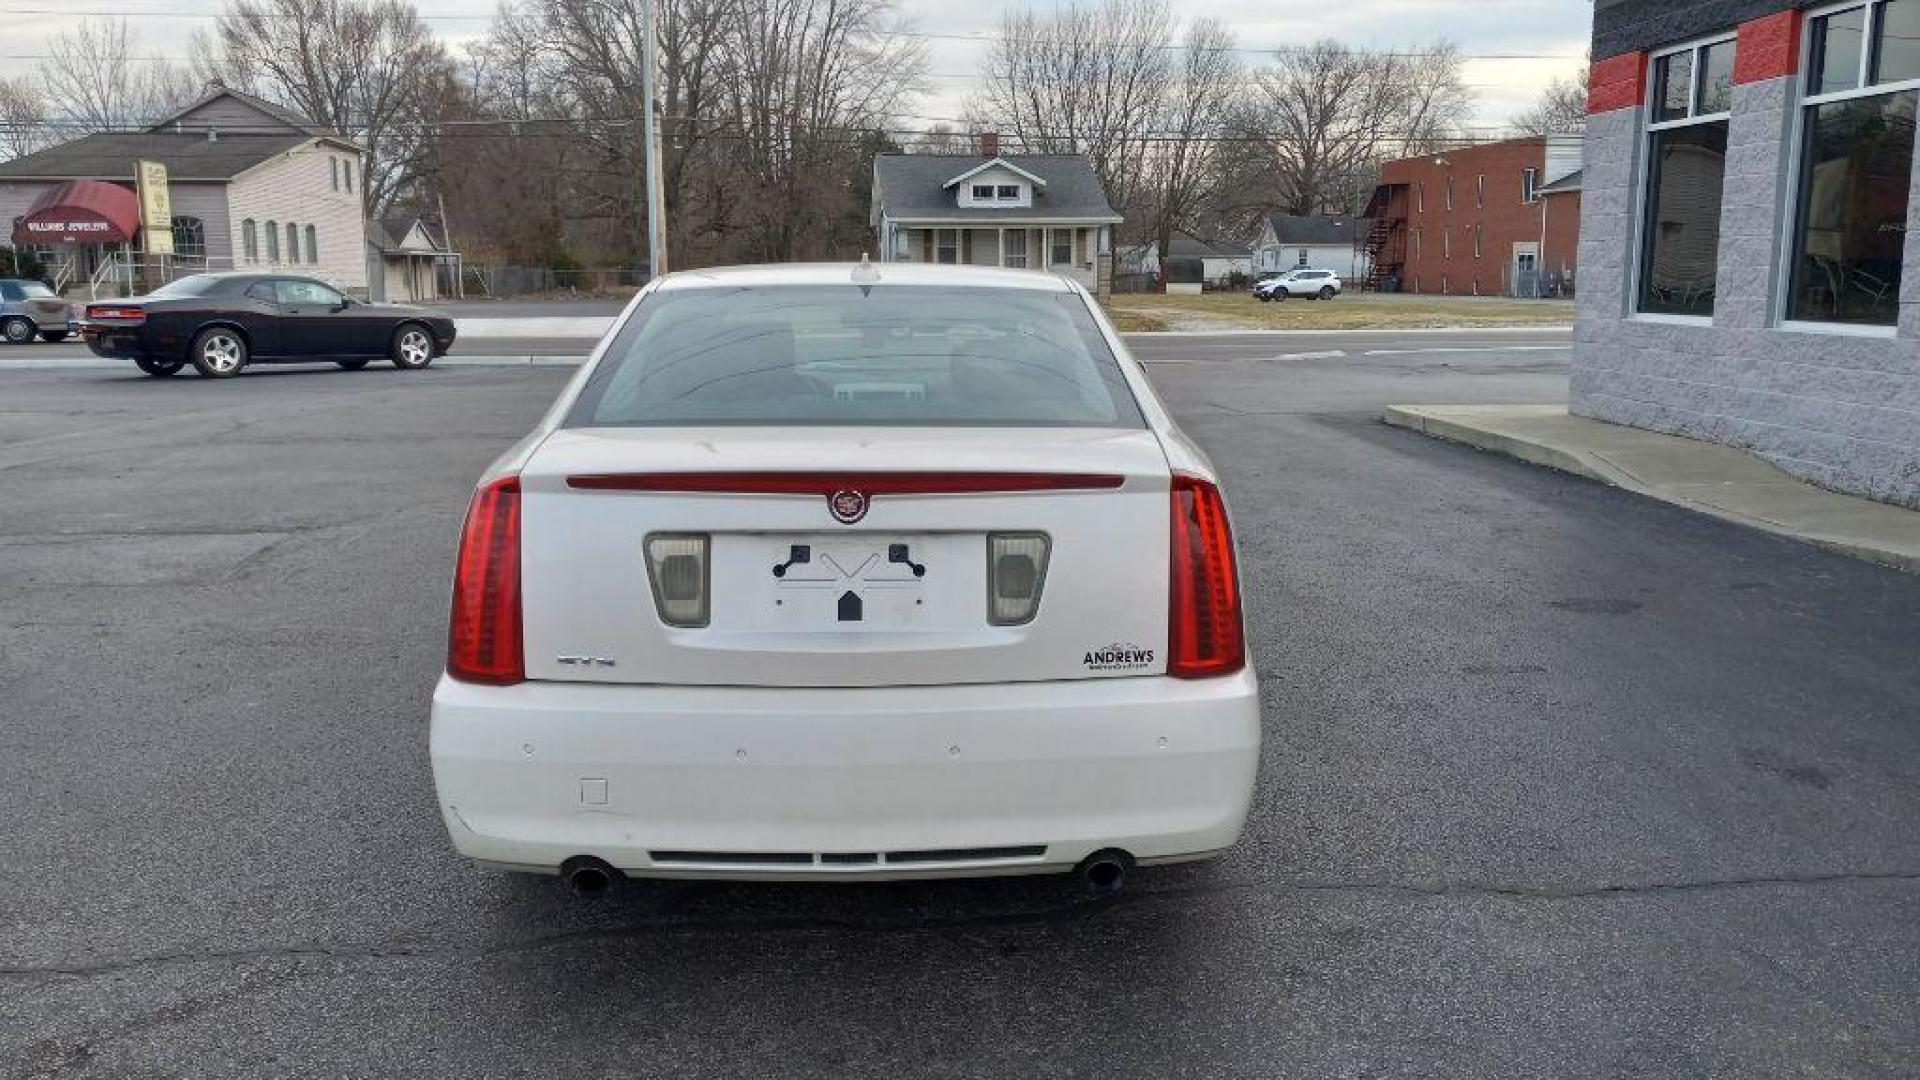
1479, 235
1856, 160
946, 245
1015, 253
1449, 192
1480, 192
1686, 172
1446, 241
983, 192
1008, 192
1529, 184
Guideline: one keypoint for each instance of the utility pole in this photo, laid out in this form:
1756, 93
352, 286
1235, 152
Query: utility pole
656, 194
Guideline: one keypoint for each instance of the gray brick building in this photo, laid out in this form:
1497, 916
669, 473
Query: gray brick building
1747, 229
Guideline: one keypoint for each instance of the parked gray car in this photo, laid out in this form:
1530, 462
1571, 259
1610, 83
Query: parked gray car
28, 308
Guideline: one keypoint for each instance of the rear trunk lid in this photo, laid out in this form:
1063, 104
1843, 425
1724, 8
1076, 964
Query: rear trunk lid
782, 566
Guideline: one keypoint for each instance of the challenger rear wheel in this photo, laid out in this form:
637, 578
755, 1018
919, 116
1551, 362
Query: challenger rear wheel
218, 353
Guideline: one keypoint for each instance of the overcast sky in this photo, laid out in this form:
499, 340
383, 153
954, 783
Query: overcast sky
1519, 44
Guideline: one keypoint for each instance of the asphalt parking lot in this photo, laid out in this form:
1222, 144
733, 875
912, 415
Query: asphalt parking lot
1558, 781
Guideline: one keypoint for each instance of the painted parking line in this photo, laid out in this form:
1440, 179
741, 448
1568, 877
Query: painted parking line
1469, 349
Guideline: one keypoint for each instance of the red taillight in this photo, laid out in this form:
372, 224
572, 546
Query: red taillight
483, 636
1204, 636
116, 311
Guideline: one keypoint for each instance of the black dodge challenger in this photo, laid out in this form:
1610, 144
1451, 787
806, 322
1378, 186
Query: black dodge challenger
220, 323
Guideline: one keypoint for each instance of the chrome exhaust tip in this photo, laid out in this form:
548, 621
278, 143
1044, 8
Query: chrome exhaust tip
588, 876
1103, 874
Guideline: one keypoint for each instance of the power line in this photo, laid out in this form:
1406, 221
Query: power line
980, 38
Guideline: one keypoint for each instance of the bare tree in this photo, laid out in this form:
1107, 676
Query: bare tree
368, 69
808, 77
23, 118
94, 82
1083, 80
1324, 116
1561, 109
942, 138
1182, 163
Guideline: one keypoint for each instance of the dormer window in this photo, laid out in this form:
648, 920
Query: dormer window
1009, 191
983, 192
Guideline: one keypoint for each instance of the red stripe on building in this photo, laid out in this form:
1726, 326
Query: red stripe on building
1767, 48
1618, 82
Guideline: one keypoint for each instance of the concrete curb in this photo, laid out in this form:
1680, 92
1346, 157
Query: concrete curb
1594, 465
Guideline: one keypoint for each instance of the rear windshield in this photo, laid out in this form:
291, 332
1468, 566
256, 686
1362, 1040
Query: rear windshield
34, 288
194, 285
847, 355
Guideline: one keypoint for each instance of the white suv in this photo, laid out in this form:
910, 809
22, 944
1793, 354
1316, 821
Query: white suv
1314, 284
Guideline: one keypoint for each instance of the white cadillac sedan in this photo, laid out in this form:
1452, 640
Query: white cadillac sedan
845, 573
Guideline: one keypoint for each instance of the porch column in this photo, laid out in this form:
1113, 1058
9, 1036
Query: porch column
1001, 256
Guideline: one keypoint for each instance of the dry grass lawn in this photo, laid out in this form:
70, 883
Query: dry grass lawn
1351, 311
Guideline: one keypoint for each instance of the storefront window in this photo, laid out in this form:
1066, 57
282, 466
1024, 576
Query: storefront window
1850, 217
1686, 174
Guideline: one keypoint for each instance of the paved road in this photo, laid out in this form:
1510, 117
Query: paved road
1559, 781
1367, 347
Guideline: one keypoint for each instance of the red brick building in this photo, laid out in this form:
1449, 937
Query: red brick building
1497, 219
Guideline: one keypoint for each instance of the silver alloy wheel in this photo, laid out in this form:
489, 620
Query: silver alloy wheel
18, 331
220, 351
415, 347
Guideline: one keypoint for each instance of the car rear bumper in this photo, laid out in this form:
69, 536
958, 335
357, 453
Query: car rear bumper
114, 343
844, 783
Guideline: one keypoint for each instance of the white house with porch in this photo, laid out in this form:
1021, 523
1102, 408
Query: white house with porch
1031, 211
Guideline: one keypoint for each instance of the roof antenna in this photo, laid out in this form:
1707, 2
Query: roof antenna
865, 273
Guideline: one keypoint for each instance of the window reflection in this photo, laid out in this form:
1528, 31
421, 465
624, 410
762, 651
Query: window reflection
1836, 50
1681, 253
1853, 210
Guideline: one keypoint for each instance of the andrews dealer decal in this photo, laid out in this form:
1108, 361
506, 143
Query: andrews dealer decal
1118, 658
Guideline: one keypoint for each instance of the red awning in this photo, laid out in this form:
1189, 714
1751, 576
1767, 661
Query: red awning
81, 212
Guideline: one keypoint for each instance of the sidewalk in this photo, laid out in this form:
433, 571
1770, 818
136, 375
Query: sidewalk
1703, 476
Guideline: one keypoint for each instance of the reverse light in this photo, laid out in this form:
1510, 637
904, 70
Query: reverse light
484, 636
677, 569
1016, 570
1204, 635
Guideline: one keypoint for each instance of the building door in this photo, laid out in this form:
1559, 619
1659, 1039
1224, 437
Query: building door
1525, 279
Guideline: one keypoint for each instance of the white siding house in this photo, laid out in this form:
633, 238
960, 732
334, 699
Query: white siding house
1324, 242
1034, 211
252, 186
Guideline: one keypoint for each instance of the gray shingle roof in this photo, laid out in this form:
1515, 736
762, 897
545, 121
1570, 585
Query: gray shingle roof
910, 186
217, 90
1188, 246
187, 157
1317, 229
